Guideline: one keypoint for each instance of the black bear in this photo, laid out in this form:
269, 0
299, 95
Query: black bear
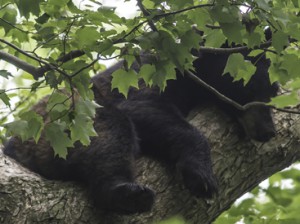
186, 94
157, 120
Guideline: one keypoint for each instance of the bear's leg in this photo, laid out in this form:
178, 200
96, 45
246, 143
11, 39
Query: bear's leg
107, 165
165, 134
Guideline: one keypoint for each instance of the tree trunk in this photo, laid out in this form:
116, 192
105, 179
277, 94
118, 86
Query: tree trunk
239, 164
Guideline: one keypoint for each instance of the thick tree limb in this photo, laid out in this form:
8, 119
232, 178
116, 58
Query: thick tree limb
239, 164
19, 63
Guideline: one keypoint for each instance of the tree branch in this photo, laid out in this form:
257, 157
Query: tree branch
182, 10
213, 90
232, 102
239, 165
146, 13
19, 64
233, 49
52, 67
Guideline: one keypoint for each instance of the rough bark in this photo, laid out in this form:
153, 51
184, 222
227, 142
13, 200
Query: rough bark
239, 164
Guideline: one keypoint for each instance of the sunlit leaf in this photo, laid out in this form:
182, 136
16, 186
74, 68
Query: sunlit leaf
238, 68
18, 128
59, 140
3, 96
35, 124
280, 40
123, 80
281, 101
6, 74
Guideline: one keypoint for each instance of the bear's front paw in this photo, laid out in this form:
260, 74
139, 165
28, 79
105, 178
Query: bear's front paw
198, 179
128, 198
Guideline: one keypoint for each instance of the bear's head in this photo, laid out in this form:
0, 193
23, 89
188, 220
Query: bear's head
257, 120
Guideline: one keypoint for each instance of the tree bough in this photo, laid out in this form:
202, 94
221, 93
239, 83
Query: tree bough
239, 164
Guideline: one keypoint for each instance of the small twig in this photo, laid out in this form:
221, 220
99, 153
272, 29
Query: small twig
86, 67
66, 34
120, 40
285, 110
146, 13
233, 49
213, 27
182, 10
12, 25
21, 51
71, 55
232, 102
22, 88
213, 90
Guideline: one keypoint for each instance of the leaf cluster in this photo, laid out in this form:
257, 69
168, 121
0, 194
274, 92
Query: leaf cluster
59, 44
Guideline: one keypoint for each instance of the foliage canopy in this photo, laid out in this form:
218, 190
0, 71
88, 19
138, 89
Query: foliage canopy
59, 44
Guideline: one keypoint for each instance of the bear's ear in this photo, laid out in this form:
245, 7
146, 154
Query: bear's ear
268, 33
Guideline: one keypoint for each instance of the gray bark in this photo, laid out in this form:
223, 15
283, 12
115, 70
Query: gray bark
239, 164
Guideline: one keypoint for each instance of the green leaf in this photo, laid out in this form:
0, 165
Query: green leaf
201, 17
59, 140
9, 18
233, 31
82, 128
254, 39
82, 82
52, 79
280, 40
87, 37
146, 72
123, 80
4, 97
57, 3
165, 70
277, 74
291, 63
282, 101
36, 85
255, 53
215, 38
225, 14
225, 219
86, 107
58, 106
190, 39
5, 74
18, 128
58, 101
35, 124
29, 6
129, 59
263, 4
238, 68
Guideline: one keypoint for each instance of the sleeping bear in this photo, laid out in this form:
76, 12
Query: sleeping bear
152, 123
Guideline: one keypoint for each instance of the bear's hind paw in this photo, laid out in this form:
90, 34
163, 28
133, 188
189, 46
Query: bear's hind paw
200, 183
129, 198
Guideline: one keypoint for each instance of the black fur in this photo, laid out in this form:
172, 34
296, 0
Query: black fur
106, 166
158, 121
257, 121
